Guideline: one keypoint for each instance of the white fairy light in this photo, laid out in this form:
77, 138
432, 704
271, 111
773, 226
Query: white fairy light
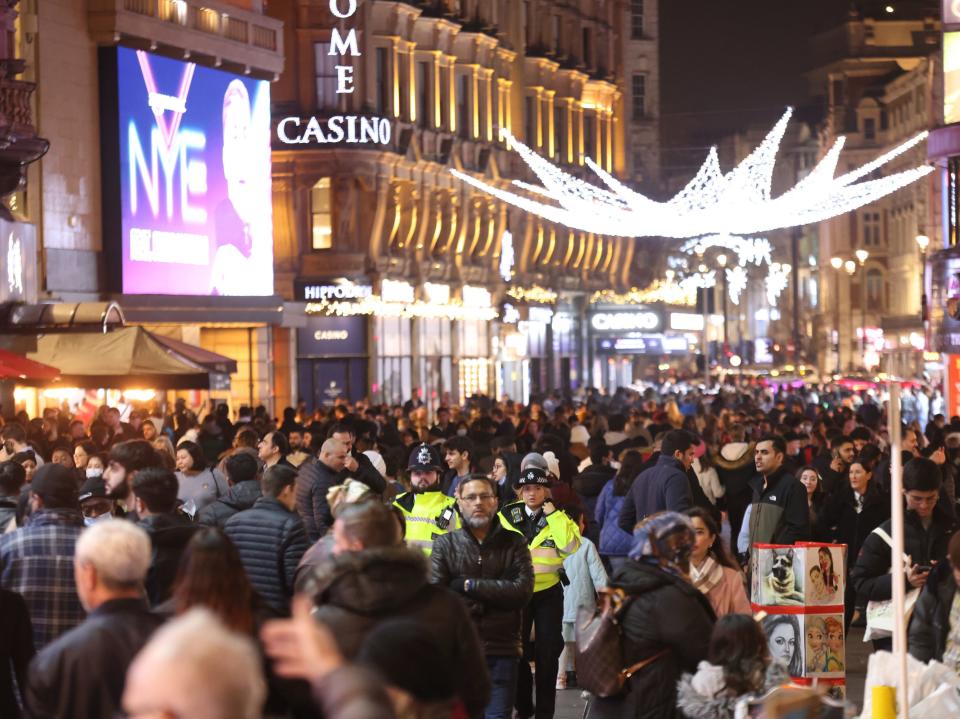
736, 204
776, 282
736, 283
749, 250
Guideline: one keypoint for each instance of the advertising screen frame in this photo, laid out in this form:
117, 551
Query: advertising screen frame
123, 275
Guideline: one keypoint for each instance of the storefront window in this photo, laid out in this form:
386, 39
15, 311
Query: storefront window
321, 216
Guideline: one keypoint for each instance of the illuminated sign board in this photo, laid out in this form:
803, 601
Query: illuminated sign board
626, 321
188, 149
642, 345
314, 292
339, 128
951, 77
951, 12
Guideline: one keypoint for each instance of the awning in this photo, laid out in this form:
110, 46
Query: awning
24, 371
205, 358
127, 358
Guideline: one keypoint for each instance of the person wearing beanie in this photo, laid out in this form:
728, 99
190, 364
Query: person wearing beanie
551, 537
36, 561
428, 512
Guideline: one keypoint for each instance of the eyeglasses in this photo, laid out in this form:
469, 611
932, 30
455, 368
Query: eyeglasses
471, 498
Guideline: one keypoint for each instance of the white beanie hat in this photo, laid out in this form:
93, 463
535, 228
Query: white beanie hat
376, 459
553, 464
579, 435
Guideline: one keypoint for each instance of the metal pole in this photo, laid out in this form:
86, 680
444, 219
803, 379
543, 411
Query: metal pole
706, 350
836, 316
896, 552
795, 278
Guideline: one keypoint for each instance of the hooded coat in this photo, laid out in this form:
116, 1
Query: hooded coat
665, 612
355, 591
169, 534
241, 496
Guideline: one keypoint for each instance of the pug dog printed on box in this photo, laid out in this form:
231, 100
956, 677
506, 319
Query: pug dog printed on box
825, 575
778, 576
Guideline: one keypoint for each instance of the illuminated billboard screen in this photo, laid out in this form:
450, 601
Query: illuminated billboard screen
192, 174
951, 77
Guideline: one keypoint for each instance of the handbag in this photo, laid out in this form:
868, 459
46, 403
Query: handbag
599, 651
880, 614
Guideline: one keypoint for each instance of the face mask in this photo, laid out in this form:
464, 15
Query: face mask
90, 521
94, 472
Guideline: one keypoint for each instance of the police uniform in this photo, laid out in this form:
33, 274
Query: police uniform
551, 539
430, 513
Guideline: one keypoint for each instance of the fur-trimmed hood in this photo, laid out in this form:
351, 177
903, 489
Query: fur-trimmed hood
735, 455
702, 695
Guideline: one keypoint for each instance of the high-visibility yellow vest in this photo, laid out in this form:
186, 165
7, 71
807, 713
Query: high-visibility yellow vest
421, 512
557, 539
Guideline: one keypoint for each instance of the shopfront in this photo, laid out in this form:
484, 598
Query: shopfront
630, 343
332, 360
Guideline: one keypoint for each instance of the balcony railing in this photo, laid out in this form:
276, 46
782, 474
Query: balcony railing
235, 35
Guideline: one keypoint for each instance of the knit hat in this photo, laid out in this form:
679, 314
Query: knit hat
579, 435
553, 464
534, 459
56, 486
408, 656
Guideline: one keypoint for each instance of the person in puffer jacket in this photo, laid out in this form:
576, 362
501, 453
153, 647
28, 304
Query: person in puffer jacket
614, 542
738, 667
270, 538
735, 467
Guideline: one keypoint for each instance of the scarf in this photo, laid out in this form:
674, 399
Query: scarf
708, 576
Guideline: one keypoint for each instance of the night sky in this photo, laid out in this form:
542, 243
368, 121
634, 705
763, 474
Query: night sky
728, 63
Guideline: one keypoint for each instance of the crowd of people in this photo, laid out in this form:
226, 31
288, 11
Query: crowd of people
380, 561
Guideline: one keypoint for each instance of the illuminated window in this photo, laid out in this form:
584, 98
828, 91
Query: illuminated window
321, 217
326, 75
463, 106
636, 19
383, 82
530, 120
590, 135
639, 96
424, 94
871, 229
403, 73
560, 127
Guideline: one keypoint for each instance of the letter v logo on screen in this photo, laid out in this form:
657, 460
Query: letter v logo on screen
159, 103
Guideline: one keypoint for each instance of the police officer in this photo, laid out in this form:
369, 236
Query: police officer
551, 536
428, 511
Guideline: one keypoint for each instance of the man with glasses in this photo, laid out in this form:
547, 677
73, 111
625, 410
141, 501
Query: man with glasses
489, 566
926, 533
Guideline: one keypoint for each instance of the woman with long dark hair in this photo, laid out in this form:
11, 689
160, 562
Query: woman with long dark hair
199, 484
614, 542
810, 478
211, 575
712, 569
738, 665
784, 641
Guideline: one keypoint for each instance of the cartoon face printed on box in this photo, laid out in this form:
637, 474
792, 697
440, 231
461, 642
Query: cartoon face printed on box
823, 645
781, 576
825, 576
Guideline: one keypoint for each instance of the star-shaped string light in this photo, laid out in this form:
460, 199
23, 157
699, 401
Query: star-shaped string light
737, 204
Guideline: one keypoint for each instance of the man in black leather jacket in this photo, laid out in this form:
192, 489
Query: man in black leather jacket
490, 567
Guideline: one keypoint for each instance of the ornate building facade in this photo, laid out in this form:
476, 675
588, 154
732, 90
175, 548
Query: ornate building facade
441, 291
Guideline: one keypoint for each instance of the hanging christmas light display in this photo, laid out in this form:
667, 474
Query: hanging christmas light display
735, 204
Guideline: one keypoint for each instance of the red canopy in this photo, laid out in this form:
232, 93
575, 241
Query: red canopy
25, 371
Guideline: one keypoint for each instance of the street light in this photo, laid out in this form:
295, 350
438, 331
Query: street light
862, 256
836, 263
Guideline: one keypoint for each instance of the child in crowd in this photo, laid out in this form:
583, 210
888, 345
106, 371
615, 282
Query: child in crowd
585, 571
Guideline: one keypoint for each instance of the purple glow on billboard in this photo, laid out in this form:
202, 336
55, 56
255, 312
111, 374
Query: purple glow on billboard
195, 186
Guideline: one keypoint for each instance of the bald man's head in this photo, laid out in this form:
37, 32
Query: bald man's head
333, 453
